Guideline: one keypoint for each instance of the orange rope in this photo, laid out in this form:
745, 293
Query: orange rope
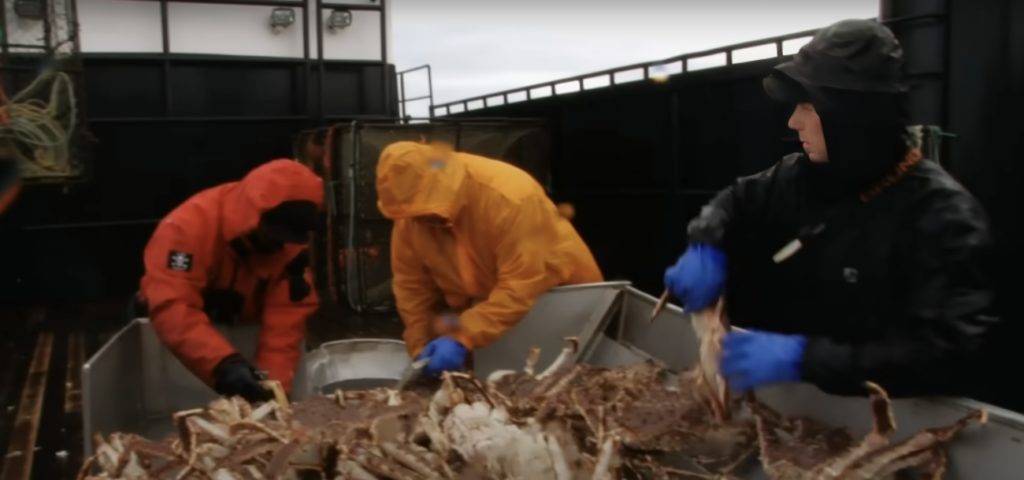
912, 158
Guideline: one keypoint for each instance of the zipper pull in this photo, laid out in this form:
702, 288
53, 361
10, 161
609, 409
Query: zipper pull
787, 251
796, 244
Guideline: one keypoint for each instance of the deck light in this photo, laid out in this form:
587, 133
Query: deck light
339, 19
281, 18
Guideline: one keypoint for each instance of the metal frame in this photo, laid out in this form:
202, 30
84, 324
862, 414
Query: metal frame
403, 100
354, 273
610, 74
46, 48
313, 112
47, 55
307, 104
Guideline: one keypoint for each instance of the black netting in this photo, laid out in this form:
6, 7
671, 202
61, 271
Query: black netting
525, 146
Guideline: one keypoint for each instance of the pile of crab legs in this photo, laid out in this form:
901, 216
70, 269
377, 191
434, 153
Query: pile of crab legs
568, 421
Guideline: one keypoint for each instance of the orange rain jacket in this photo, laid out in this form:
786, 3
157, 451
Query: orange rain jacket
499, 245
190, 254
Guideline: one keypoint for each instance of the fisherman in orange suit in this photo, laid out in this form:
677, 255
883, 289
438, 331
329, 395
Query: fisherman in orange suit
237, 253
475, 242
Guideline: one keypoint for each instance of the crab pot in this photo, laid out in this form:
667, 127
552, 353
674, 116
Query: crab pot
134, 383
993, 451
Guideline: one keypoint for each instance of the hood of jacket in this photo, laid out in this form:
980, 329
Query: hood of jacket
416, 180
264, 188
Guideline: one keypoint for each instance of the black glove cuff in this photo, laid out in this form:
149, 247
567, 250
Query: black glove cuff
708, 227
228, 362
234, 375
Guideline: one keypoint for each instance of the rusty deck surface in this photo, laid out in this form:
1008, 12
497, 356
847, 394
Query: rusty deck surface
22, 446
72, 374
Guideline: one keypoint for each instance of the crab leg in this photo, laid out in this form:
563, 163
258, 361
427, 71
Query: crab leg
83, 473
438, 440
248, 452
608, 461
409, 460
379, 465
475, 383
916, 450
557, 456
239, 427
936, 468
218, 431
351, 470
186, 436
531, 361
280, 461
884, 425
881, 411
710, 329
564, 360
260, 412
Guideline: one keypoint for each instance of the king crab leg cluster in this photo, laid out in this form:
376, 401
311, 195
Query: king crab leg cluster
801, 449
568, 422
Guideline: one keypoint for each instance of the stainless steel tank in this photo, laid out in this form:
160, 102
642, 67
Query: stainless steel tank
356, 364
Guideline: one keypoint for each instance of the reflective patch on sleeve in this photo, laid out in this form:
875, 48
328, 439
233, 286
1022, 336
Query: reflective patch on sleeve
179, 261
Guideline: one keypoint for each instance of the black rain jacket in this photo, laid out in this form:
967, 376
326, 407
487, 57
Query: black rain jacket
893, 290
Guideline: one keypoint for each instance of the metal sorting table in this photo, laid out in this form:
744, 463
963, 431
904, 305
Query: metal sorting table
134, 384
992, 451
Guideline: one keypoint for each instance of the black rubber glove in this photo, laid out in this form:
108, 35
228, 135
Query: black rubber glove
236, 376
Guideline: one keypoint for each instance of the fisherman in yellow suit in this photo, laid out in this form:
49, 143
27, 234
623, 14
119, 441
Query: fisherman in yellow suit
475, 242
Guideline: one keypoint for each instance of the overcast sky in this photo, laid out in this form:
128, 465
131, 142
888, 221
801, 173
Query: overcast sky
481, 46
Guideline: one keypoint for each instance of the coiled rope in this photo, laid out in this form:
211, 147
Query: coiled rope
36, 132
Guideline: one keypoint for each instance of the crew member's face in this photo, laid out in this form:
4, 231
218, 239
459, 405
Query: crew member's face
263, 243
807, 124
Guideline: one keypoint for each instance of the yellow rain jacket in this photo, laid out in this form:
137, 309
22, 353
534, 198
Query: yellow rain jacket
496, 242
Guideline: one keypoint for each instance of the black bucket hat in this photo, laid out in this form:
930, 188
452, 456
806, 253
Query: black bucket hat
850, 55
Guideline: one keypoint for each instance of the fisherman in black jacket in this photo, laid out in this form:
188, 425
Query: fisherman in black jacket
856, 260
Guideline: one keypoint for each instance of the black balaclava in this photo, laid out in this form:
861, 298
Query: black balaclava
289, 222
851, 72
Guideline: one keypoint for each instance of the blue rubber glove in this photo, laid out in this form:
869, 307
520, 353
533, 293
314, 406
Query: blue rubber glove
752, 359
698, 277
445, 354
